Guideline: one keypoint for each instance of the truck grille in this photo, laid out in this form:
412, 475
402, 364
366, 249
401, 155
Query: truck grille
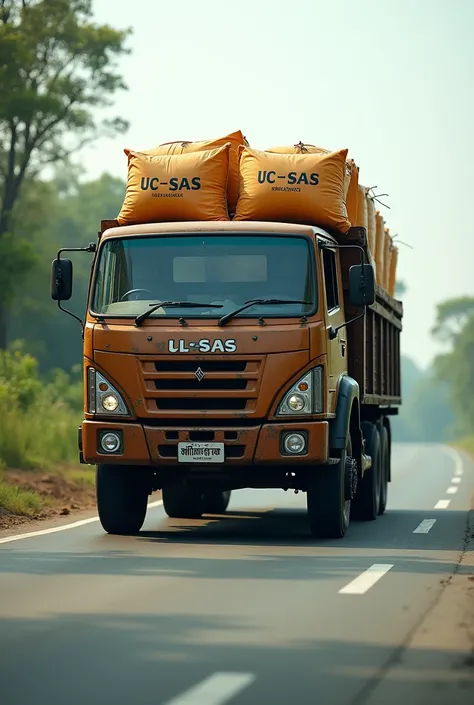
188, 386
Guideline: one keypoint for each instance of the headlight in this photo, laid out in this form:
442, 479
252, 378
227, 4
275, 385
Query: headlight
305, 397
103, 398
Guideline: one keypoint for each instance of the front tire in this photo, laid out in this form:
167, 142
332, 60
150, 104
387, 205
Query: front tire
328, 509
122, 498
215, 501
180, 501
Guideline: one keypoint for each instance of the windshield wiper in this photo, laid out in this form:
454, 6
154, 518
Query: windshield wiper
258, 302
173, 304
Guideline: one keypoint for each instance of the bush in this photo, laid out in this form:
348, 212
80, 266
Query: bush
39, 418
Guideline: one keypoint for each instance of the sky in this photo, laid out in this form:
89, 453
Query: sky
390, 80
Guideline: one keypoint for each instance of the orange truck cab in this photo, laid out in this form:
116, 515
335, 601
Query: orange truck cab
227, 355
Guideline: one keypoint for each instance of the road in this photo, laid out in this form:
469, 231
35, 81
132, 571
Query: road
244, 608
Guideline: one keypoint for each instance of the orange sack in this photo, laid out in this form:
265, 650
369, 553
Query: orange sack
235, 138
298, 188
371, 225
392, 280
362, 219
379, 247
387, 257
176, 187
351, 176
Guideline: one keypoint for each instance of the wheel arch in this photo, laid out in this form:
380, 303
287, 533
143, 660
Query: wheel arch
347, 420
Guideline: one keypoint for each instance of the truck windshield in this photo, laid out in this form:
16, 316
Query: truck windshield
221, 271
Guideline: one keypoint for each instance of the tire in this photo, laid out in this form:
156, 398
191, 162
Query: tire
215, 502
122, 498
384, 469
181, 501
367, 501
328, 509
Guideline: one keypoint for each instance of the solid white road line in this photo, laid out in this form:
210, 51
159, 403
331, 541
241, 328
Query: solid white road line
452, 490
63, 527
442, 504
366, 580
425, 526
215, 690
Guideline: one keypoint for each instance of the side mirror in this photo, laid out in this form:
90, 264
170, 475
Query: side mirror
361, 285
61, 280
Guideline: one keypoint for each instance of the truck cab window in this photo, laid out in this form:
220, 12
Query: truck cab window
330, 278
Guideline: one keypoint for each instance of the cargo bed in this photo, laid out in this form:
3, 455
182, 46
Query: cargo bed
373, 341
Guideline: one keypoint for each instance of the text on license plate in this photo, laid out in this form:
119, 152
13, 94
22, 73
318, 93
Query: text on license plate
201, 453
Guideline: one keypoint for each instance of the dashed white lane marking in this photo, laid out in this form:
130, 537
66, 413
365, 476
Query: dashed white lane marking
442, 504
215, 690
63, 527
425, 526
452, 490
366, 580
458, 462
455, 480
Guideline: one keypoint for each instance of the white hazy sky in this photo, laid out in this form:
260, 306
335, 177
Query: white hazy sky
391, 80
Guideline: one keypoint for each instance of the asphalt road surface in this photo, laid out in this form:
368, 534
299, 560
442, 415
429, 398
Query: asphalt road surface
246, 608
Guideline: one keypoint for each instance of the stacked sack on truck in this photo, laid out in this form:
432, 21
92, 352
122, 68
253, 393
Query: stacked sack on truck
225, 178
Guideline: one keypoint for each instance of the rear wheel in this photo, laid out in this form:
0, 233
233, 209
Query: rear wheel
327, 502
215, 502
180, 501
384, 468
367, 501
122, 497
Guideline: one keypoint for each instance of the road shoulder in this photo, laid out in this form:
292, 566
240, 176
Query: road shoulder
436, 665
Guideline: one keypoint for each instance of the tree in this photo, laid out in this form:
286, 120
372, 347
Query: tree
455, 325
75, 209
56, 67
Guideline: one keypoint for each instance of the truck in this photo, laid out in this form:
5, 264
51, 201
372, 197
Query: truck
227, 355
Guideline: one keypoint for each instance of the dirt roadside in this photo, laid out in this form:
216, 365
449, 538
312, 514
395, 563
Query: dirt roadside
436, 666
61, 493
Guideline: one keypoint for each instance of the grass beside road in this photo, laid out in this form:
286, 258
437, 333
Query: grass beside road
39, 471
466, 444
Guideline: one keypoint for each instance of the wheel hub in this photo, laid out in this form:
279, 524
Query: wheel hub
351, 478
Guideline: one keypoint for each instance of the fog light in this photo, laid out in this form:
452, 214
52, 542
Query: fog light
296, 402
110, 442
110, 402
294, 443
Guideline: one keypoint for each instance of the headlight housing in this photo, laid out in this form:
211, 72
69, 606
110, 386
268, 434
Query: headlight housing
305, 396
103, 398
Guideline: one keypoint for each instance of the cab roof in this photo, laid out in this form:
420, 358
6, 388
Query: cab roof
208, 226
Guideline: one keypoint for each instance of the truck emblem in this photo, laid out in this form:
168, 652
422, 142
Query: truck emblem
199, 374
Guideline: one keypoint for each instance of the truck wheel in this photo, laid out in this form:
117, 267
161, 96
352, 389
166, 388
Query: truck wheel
122, 498
367, 500
328, 508
181, 501
384, 468
215, 502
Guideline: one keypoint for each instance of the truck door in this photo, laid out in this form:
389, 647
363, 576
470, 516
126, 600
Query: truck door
337, 348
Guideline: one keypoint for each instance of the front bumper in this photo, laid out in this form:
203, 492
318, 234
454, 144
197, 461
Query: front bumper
258, 445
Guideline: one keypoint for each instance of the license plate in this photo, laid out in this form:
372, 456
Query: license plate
201, 452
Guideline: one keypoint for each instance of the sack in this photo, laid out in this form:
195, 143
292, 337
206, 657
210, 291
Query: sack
295, 188
351, 176
176, 188
371, 225
392, 278
379, 247
352, 195
387, 259
235, 138
361, 220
